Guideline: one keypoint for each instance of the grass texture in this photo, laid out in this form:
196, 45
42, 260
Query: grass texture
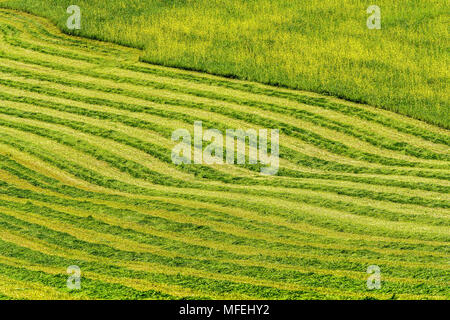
86, 179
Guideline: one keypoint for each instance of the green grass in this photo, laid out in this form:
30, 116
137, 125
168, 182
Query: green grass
86, 179
321, 46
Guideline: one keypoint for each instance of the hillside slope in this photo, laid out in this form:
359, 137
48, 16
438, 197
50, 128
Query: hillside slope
86, 179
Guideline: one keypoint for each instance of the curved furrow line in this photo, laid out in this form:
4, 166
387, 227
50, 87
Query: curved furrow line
444, 165
40, 31
15, 191
12, 37
320, 201
226, 268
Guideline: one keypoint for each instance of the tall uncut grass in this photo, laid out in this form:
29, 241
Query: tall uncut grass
322, 46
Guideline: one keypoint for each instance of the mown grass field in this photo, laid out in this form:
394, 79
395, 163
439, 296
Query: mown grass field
86, 179
322, 46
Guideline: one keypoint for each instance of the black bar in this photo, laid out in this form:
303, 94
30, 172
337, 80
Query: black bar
228, 309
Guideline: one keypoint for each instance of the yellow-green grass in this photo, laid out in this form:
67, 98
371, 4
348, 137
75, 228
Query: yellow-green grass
86, 179
322, 46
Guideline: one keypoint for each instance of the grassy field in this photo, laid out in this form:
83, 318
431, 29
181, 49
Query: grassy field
86, 179
322, 46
